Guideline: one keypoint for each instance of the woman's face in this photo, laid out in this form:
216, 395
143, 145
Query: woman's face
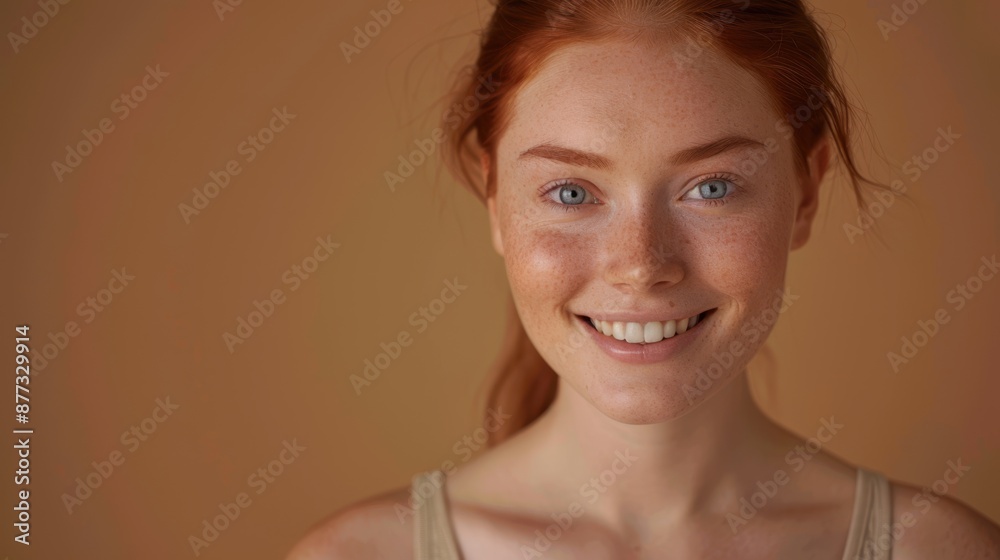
637, 185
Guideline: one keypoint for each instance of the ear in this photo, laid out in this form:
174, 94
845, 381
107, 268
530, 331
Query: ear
491, 206
807, 199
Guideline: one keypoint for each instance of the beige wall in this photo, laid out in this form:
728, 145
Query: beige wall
321, 176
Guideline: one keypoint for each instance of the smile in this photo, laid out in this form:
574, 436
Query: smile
646, 333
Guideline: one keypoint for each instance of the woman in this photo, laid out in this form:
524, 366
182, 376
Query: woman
647, 166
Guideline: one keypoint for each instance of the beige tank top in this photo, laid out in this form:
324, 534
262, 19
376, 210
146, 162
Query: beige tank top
434, 538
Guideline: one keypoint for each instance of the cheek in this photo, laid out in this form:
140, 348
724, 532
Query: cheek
546, 264
742, 257
740, 253
750, 259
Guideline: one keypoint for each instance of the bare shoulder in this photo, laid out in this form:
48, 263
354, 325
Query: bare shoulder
377, 528
929, 525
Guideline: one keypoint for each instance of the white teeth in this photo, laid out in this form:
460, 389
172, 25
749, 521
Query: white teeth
652, 332
618, 330
633, 332
644, 333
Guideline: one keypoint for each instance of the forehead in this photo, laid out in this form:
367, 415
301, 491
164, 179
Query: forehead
655, 95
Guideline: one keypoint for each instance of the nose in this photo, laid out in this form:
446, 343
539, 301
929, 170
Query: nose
642, 251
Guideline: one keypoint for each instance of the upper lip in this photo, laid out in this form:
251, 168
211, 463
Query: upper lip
640, 316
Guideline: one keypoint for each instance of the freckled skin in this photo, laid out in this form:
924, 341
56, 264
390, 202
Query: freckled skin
643, 246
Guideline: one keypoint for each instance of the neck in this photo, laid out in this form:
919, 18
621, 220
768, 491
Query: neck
631, 476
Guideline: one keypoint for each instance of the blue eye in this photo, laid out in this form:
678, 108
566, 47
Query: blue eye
714, 188
572, 194
568, 195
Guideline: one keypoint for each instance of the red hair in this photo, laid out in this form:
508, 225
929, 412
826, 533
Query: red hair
776, 40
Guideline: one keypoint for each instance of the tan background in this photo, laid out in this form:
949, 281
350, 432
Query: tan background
323, 176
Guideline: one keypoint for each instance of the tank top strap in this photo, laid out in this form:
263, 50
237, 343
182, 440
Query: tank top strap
433, 537
870, 537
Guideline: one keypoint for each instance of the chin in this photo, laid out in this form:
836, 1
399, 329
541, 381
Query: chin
649, 400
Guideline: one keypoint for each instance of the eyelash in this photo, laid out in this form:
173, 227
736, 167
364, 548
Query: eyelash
713, 202
546, 190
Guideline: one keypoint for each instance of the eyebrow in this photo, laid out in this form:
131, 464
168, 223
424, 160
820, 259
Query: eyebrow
596, 161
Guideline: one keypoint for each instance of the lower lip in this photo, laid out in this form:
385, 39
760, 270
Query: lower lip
630, 353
